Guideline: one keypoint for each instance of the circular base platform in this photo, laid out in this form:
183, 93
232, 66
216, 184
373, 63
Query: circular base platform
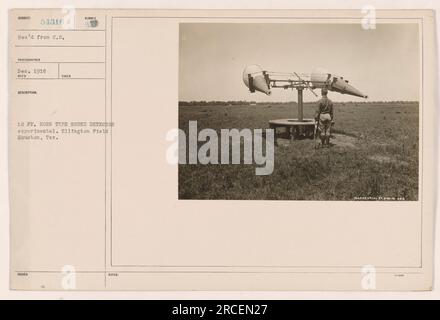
292, 122
294, 128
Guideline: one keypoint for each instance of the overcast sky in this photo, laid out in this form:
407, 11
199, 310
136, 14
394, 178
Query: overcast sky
382, 63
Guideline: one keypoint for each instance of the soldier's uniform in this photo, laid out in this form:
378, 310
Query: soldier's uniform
324, 116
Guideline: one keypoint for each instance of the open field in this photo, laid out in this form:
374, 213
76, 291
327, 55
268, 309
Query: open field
374, 156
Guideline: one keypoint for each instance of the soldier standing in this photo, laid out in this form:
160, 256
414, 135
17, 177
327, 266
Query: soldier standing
324, 117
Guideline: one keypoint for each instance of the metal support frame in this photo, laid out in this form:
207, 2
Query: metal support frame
300, 103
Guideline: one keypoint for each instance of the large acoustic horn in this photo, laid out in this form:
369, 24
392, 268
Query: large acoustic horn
321, 78
256, 79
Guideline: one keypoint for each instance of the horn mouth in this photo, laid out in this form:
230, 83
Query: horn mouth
255, 79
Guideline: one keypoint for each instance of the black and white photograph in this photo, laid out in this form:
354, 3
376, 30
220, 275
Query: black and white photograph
299, 111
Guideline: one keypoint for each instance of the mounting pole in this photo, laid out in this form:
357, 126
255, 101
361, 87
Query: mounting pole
300, 103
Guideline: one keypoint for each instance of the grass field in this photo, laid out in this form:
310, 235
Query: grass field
374, 156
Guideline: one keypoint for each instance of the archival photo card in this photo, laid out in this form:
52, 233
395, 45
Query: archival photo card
225, 150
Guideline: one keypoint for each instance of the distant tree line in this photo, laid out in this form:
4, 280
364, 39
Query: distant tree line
226, 103
244, 102
215, 103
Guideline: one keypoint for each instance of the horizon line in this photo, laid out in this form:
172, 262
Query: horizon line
273, 102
